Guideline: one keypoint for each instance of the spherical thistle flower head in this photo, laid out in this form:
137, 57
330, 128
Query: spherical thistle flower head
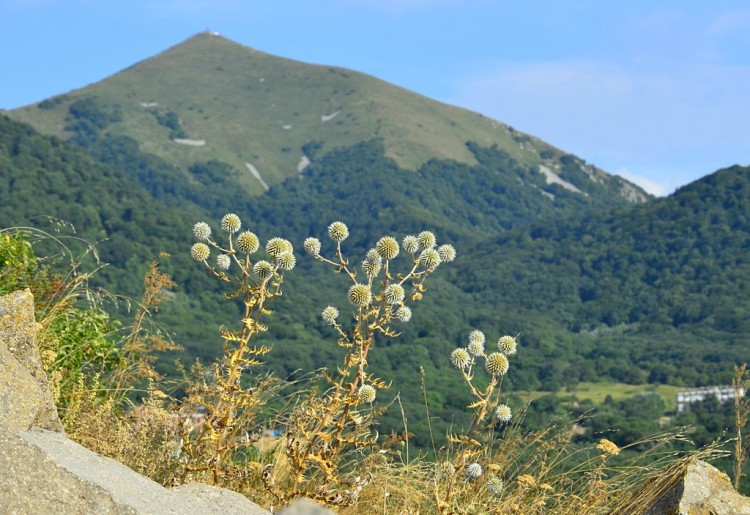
410, 244
473, 470
503, 413
312, 246
202, 231
475, 348
447, 253
247, 242
371, 268
360, 295
403, 314
430, 259
387, 247
394, 294
477, 336
373, 256
230, 223
495, 486
329, 315
426, 240
200, 251
277, 246
507, 345
366, 393
263, 270
460, 358
338, 231
497, 364
223, 261
286, 261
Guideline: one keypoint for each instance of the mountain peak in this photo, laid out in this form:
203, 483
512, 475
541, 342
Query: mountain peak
212, 99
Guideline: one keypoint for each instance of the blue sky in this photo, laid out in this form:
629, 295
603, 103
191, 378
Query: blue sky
656, 91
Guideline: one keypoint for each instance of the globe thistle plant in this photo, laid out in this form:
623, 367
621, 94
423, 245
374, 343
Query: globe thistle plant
223, 262
410, 244
360, 295
230, 403
447, 253
460, 358
200, 251
371, 268
277, 246
387, 247
338, 231
373, 256
486, 405
430, 259
394, 294
507, 345
426, 240
495, 486
329, 315
477, 336
332, 422
497, 363
366, 393
312, 246
263, 270
403, 314
473, 470
202, 231
503, 413
230, 223
247, 242
475, 348
286, 261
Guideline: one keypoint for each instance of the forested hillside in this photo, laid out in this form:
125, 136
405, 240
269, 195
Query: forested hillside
665, 283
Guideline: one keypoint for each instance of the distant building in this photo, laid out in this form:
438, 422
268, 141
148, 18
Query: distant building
722, 394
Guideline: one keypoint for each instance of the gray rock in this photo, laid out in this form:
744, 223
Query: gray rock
43, 472
20, 361
700, 489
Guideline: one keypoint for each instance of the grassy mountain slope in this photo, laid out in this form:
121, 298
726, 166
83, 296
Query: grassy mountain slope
252, 108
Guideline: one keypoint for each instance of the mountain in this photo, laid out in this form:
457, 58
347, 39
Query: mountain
209, 99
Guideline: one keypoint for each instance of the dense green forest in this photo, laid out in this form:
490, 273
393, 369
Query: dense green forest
598, 290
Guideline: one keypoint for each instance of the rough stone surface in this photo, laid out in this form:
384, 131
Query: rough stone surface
19, 351
700, 490
21, 398
42, 471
